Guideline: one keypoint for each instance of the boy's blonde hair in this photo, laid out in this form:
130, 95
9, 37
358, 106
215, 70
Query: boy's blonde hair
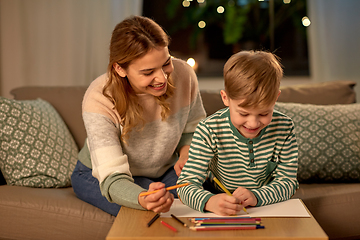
253, 76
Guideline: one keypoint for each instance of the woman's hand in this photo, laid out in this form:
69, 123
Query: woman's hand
157, 202
183, 157
179, 165
246, 197
223, 205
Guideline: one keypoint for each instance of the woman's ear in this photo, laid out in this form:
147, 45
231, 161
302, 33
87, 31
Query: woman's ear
224, 98
119, 70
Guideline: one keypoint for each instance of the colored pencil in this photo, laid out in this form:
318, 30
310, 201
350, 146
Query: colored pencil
228, 223
227, 220
225, 190
168, 226
223, 218
168, 188
177, 219
153, 219
211, 228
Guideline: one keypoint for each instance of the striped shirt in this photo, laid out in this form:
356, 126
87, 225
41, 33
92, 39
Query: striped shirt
266, 165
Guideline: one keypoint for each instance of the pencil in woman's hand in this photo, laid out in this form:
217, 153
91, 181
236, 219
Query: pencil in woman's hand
167, 189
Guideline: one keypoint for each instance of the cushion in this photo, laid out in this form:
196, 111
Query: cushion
323, 93
328, 139
36, 148
67, 102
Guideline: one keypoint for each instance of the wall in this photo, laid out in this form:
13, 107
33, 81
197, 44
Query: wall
334, 36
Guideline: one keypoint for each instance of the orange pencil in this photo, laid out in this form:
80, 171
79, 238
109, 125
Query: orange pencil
168, 188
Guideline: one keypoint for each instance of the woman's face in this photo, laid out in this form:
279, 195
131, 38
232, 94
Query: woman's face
149, 74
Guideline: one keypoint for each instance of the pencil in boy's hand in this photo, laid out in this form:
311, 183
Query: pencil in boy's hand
225, 190
168, 189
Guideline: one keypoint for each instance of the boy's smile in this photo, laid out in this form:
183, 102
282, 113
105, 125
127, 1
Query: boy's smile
248, 121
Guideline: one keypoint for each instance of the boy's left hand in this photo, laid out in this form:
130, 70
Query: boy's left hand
246, 197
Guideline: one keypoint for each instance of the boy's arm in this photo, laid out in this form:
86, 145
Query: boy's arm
196, 169
285, 183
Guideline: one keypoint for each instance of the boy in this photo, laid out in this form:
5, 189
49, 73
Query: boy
248, 146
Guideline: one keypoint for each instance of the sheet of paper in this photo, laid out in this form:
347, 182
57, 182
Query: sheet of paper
289, 208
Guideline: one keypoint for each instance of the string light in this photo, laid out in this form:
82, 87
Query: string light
191, 62
306, 21
186, 3
202, 24
220, 9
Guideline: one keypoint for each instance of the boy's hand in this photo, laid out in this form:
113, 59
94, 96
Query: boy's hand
223, 205
246, 197
160, 201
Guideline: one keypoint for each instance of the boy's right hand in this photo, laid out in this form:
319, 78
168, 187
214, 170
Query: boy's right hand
223, 205
160, 201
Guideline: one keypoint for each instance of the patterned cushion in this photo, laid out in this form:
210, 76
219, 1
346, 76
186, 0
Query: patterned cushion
36, 148
329, 141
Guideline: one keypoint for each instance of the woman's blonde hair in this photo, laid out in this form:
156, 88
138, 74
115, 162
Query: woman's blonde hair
253, 76
132, 39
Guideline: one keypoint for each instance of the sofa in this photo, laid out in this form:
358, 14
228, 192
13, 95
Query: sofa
41, 131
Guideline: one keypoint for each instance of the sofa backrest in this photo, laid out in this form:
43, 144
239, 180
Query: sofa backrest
67, 102
325, 93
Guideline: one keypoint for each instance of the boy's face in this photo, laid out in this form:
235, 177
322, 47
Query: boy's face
248, 121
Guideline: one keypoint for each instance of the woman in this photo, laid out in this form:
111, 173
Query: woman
139, 118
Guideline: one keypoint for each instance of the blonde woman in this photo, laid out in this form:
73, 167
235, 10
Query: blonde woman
139, 117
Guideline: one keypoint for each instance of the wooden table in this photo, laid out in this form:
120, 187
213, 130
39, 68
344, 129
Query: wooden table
132, 224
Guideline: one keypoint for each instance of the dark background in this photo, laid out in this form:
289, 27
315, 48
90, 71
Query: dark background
207, 46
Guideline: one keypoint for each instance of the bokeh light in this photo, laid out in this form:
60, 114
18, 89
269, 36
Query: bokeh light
186, 3
220, 9
191, 62
202, 24
306, 21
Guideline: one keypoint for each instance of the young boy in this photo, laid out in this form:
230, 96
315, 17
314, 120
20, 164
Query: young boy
248, 146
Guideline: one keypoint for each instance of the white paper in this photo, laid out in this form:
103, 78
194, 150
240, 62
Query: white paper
289, 208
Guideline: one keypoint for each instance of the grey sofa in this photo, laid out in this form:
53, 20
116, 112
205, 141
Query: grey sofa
56, 213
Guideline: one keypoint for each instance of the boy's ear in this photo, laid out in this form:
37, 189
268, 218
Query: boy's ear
278, 95
224, 98
119, 70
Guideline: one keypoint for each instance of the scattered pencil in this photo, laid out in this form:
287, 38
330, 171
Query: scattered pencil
153, 219
168, 226
225, 190
168, 188
177, 219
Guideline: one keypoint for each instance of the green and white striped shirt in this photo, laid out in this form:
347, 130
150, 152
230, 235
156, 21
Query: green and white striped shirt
266, 165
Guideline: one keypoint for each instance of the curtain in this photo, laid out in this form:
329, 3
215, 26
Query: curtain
333, 38
57, 42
